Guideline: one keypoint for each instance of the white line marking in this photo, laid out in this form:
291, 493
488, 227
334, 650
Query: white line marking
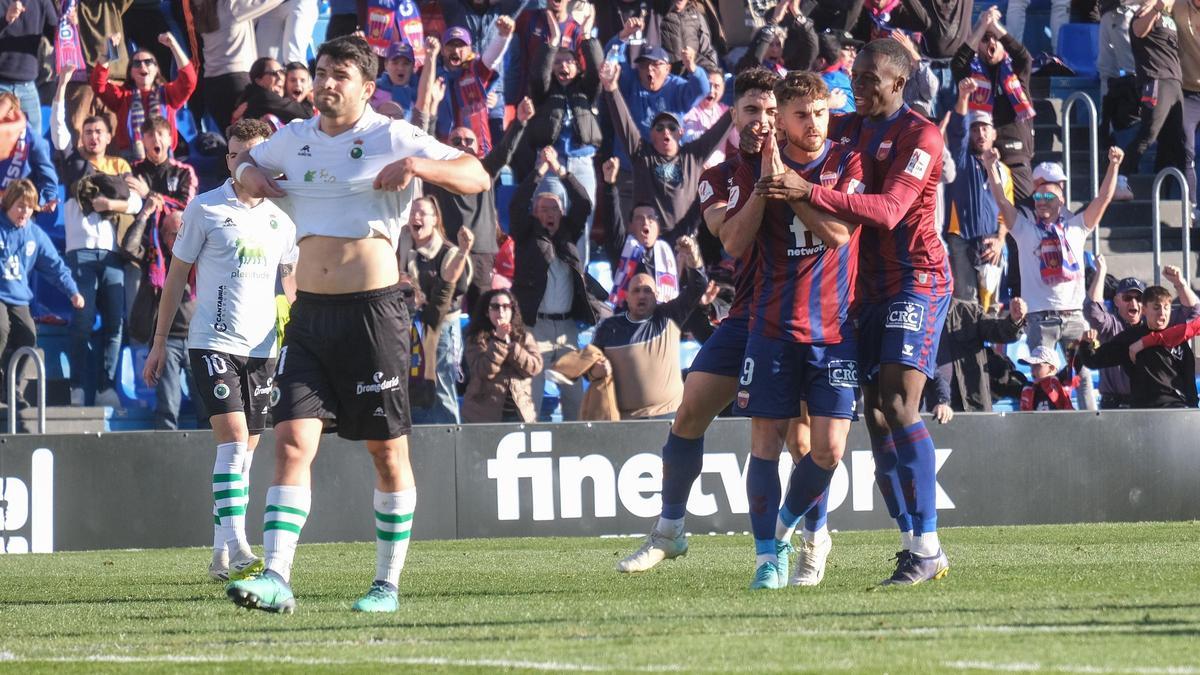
1069, 668
411, 661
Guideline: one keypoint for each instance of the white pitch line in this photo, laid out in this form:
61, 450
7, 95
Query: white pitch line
552, 666
1070, 668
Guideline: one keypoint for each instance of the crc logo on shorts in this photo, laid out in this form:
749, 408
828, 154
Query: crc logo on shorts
221, 391
275, 396
907, 315
378, 384
843, 373
743, 398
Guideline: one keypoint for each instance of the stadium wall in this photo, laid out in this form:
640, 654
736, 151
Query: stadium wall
151, 489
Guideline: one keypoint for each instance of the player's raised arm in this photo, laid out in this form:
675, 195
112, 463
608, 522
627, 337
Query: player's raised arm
745, 208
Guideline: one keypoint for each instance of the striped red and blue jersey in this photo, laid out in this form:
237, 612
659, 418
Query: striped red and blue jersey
802, 289
902, 163
714, 189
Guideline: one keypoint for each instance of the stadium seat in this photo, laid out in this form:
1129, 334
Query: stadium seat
601, 271
1079, 46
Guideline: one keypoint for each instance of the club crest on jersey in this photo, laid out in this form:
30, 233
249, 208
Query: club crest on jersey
843, 373
905, 315
356, 152
221, 391
829, 177
882, 152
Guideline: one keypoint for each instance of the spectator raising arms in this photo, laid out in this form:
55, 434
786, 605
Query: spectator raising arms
467, 78
25, 248
502, 358
145, 94
637, 249
266, 99
1000, 66
665, 173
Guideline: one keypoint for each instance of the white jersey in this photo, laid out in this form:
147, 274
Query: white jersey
330, 178
237, 251
1038, 294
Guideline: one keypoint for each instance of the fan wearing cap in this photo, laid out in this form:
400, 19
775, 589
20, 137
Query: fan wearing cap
1127, 312
397, 78
836, 58
1001, 65
972, 232
467, 77
654, 89
665, 173
1050, 247
1159, 376
1047, 391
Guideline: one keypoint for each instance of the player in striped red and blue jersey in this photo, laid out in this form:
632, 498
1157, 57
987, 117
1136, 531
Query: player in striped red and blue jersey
903, 291
801, 347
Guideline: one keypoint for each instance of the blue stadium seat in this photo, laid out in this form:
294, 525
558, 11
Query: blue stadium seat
1079, 46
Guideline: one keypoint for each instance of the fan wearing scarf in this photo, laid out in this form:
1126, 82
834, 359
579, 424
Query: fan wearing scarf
1050, 242
638, 248
467, 78
24, 153
145, 94
1000, 66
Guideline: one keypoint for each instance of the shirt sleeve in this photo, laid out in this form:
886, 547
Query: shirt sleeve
741, 184
291, 252
713, 188
191, 234
851, 180
918, 155
1173, 336
409, 141
270, 153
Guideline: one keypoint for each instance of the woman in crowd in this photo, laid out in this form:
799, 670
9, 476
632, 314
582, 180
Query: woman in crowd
265, 98
145, 94
502, 359
441, 273
25, 247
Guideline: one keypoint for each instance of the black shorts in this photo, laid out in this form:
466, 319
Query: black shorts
345, 360
230, 383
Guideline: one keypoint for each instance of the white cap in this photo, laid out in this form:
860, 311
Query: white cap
1049, 172
1044, 355
981, 117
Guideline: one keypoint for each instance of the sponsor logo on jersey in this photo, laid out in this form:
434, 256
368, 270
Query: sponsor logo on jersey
265, 389
228, 222
310, 176
221, 391
304, 151
250, 252
705, 191
843, 373
378, 383
906, 315
918, 164
735, 193
908, 350
219, 319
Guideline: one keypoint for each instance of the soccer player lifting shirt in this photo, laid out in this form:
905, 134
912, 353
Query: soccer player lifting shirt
345, 357
801, 345
902, 294
236, 243
712, 379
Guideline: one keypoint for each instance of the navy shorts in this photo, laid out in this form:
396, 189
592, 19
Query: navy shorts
721, 354
778, 374
906, 328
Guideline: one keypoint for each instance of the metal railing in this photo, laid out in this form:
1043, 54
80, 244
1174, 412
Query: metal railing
1093, 150
1186, 205
14, 364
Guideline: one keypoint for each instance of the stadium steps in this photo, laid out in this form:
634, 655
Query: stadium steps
61, 419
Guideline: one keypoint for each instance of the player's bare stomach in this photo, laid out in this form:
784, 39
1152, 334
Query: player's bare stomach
334, 265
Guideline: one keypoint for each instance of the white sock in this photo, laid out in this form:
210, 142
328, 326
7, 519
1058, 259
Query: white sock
219, 538
814, 537
229, 495
906, 540
239, 545
671, 528
783, 531
393, 525
287, 509
926, 545
765, 557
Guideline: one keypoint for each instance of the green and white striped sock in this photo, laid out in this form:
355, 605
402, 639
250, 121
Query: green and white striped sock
287, 509
229, 494
393, 525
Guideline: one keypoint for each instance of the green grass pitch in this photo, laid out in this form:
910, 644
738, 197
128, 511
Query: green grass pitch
1073, 599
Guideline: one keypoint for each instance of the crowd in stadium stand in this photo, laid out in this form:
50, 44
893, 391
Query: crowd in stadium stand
595, 120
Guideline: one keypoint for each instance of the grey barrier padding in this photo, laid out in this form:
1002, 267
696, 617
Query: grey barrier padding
151, 489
